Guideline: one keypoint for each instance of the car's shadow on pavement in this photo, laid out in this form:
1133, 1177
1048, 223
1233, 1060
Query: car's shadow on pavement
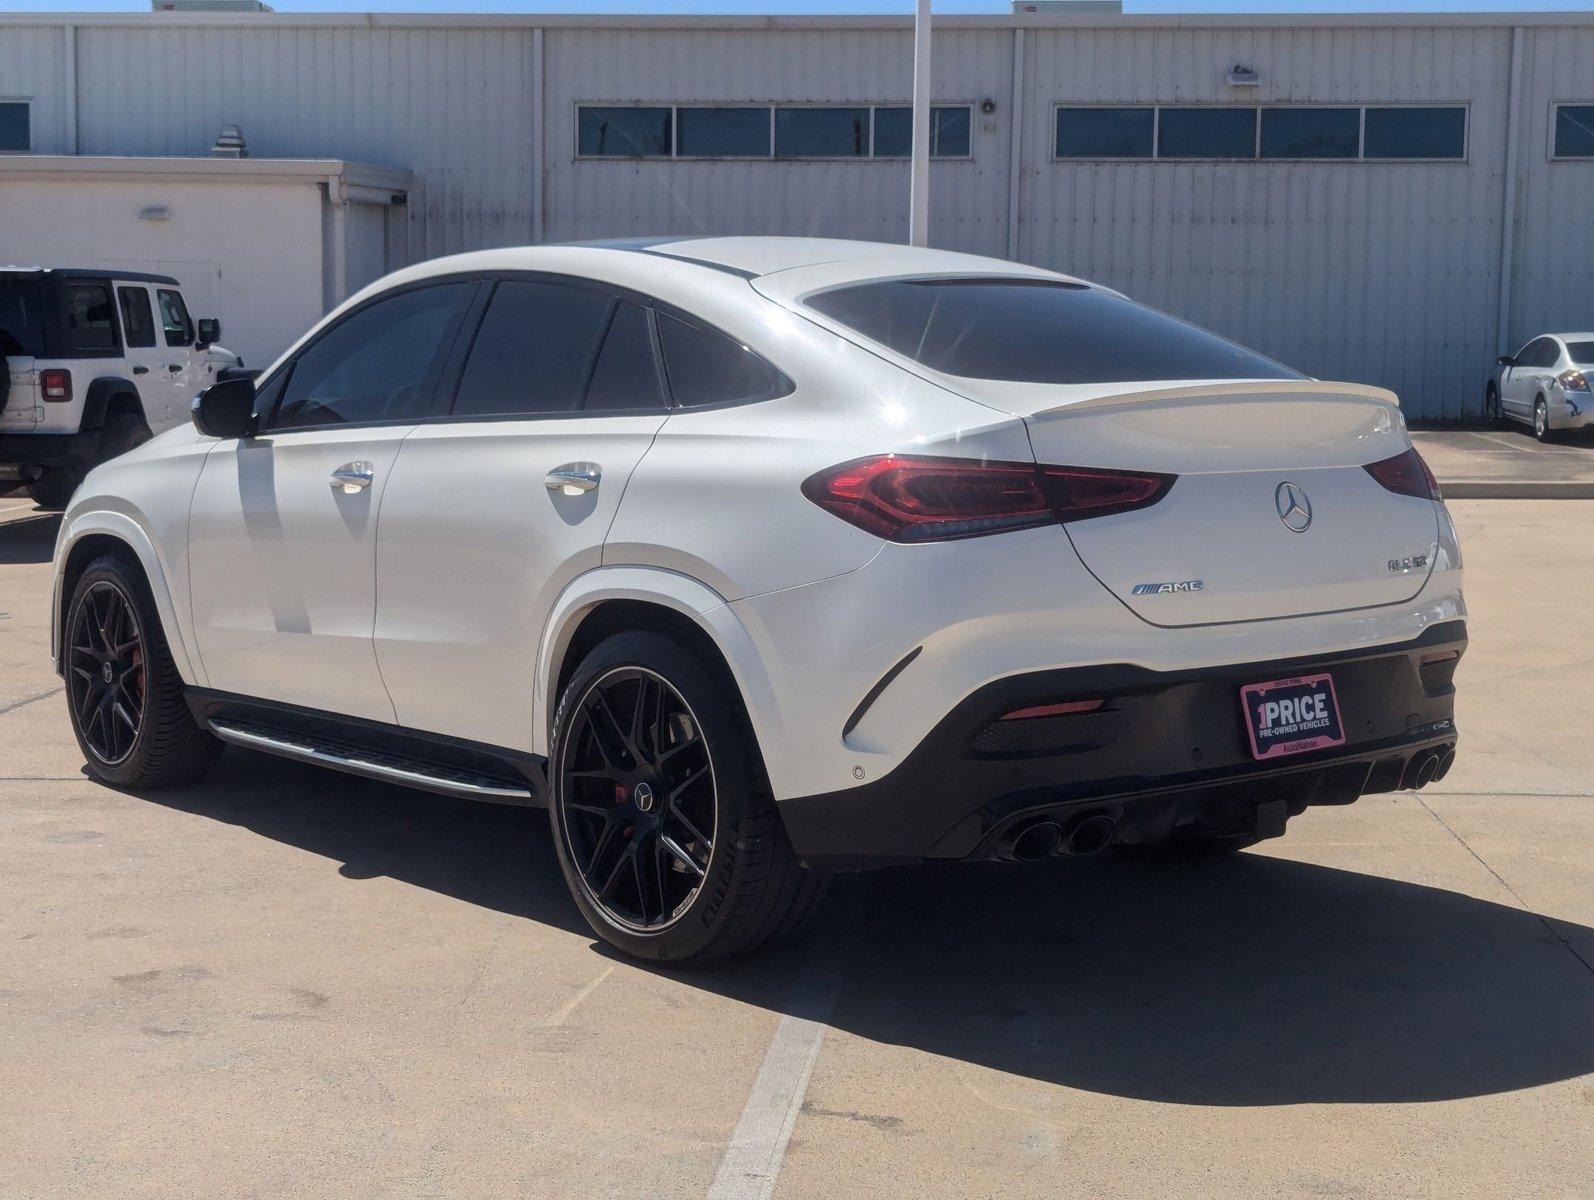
29, 540
1252, 981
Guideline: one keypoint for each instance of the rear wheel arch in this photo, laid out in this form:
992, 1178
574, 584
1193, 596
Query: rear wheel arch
107, 395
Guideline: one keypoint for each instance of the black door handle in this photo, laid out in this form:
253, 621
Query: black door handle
174, 367
141, 370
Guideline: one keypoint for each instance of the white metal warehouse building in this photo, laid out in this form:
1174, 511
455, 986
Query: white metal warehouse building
1388, 199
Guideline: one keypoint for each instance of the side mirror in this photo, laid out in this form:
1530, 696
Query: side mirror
209, 331
1505, 360
226, 410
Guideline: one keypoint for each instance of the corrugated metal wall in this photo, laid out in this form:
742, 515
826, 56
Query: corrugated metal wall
1387, 273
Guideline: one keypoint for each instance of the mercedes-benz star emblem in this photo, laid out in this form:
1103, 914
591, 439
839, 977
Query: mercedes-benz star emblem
1294, 509
643, 798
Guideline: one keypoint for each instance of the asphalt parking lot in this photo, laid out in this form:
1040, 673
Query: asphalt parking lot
290, 983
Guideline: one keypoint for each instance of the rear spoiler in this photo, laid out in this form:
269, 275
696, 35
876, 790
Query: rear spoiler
1269, 389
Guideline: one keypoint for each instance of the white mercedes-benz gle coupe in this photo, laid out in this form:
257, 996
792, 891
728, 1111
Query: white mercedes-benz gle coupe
755, 559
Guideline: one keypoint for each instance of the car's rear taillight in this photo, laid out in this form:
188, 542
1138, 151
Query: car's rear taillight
1405, 475
55, 385
1572, 381
908, 499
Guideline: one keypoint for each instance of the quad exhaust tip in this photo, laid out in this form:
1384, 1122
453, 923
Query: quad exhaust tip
1428, 768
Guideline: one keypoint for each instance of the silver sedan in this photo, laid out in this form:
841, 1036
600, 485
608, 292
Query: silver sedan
1545, 385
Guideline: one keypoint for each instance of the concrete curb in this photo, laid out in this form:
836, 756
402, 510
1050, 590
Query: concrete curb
1517, 489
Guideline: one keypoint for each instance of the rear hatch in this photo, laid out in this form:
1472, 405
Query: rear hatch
1273, 513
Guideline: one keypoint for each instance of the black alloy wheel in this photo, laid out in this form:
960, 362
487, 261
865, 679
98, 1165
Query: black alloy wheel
106, 671
638, 799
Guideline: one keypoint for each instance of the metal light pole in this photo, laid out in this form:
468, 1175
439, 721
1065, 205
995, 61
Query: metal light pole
919, 187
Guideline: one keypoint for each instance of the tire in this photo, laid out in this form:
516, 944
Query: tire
1185, 848
122, 432
1541, 421
1492, 415
53, 486
123, 692
663, 821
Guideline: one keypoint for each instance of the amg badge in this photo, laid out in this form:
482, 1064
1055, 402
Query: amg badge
1158, 589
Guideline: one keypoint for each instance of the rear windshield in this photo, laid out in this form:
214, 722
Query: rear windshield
21, 318
1037, 331
1582, 353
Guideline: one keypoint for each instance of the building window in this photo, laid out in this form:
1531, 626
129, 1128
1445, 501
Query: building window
821, 133
16, 132
1106, 132
949, 132
1206, 133
1574, 131
1324, 132
1415, 133
768, 131
722, 132
1311, 132
624, 132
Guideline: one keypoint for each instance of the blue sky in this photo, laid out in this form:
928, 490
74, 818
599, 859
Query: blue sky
826, 6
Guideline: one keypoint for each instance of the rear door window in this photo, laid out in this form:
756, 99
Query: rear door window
380, 364
175, 322
705, 366
534, 351
1037, 331
138, 320
626, 377
91, 327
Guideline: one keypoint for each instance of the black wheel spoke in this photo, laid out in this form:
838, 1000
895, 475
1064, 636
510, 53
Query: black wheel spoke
623, 767
106, 680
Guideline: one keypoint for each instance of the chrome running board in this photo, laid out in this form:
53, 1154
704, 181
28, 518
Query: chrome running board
373, 764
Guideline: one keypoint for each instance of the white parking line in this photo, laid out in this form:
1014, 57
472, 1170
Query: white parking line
752, 1160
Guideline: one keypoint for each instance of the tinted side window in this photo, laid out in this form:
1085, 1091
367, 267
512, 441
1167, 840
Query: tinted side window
1574, 131
88, 316
377, 365
706, 367
1036, 331
138, 321
174, 318
626, 376
1543, 353
534, 350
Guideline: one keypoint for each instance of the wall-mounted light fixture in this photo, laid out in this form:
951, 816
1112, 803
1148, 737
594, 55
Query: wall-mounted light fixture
1244, 76
987, 106
155, 212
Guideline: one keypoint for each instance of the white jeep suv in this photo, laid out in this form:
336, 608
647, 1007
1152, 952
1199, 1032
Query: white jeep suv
754, 559
91, 364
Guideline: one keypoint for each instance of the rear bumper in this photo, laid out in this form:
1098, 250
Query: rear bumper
1166, 750
1573, 413
22, 453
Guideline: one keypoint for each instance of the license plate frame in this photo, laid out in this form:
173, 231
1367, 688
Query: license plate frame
1304, 716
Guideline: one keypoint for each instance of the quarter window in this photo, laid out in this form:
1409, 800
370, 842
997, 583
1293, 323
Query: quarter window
380, 364
1574, 131
1416, 133
174, 318
89, 322
138, 322
706, 367
1311, 132
16, 133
